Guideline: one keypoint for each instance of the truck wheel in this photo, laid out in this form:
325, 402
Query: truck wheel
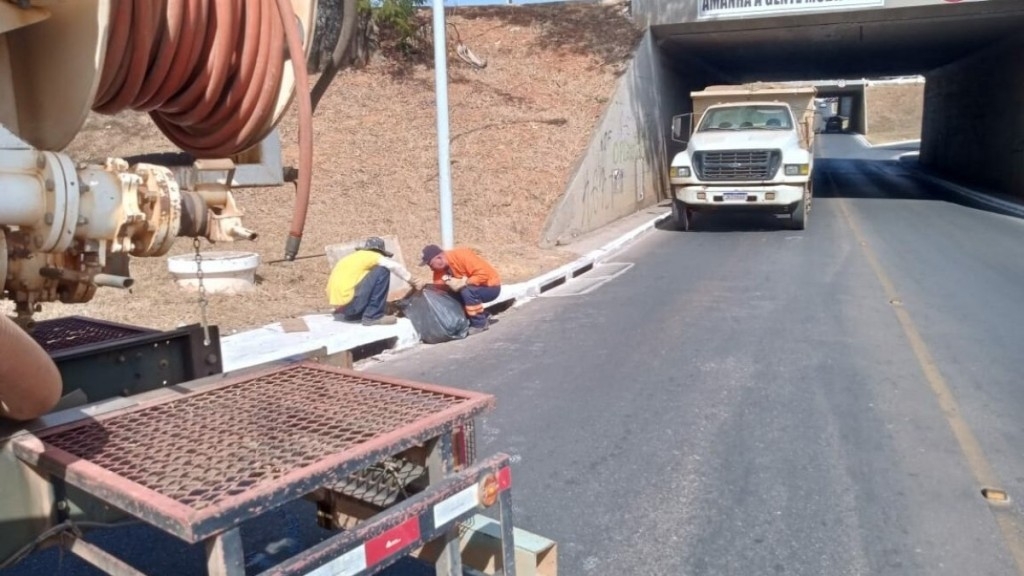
798, 219
681, 216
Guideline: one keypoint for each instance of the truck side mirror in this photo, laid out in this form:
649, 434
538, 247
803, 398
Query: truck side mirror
677, 128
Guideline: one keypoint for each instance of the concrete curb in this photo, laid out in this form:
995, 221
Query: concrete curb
896, 143
867, 143
271, 343
536, 286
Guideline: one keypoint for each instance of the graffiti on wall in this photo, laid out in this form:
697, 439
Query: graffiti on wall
616, 177
621, 166
628, 151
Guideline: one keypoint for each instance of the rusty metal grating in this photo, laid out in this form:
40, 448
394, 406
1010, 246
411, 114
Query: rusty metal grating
384, 483
74, 331
204, 448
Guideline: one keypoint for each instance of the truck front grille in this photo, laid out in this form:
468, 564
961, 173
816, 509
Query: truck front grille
737, 165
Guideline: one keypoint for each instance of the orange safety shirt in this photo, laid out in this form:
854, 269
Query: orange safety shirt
464, 263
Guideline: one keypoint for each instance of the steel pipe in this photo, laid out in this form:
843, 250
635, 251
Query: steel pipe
112, 281
23, 201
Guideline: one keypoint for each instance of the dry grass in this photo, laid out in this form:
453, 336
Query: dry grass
894, 112
517, 127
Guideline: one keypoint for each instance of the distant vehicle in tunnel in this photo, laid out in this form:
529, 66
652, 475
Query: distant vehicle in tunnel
834, 124
751, 150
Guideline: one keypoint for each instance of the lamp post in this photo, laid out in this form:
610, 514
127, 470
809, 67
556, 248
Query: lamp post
444, 172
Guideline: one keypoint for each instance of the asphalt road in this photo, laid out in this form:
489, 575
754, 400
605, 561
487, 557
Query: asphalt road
750, 400
747, 400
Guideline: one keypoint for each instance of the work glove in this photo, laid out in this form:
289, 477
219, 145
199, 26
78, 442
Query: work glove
417, 284
456, 284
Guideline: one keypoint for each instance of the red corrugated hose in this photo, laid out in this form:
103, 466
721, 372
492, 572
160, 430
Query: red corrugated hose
208, 72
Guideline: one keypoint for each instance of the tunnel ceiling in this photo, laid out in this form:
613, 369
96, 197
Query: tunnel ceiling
862, 44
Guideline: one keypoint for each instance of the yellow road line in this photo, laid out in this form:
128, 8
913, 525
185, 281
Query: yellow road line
1013, 533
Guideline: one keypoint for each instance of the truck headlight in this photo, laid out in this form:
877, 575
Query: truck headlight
798, 169
679, 172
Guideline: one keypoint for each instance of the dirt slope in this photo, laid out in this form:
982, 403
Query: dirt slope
517, 128
894, 112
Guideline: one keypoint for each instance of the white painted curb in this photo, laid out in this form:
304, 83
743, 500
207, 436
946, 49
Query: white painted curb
897, 143
534, 287
867, 144
271, 343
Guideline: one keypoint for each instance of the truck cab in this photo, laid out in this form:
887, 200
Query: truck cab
751, 149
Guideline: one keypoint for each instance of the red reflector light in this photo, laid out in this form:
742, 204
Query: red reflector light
460, 448
392, 541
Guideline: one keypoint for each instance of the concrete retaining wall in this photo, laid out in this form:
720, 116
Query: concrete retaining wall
625, 168
622, 170
973, 125
656, 12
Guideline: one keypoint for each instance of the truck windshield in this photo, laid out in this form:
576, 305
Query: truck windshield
761, 117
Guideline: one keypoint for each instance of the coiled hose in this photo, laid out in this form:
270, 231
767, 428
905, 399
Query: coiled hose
209, 72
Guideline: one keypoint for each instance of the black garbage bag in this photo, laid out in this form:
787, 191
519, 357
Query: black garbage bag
436, 315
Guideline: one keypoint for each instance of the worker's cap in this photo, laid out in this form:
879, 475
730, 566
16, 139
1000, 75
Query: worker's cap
376, 244
429, 252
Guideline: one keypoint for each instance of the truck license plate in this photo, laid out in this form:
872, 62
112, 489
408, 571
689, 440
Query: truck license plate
735, 196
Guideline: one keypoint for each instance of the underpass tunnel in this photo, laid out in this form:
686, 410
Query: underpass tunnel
845, 100
972, 123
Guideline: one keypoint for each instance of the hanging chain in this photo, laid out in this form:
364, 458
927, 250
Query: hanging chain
202, 292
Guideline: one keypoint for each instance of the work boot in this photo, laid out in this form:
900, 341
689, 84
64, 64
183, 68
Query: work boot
382, 321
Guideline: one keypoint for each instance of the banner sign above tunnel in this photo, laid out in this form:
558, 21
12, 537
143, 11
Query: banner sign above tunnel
714, 9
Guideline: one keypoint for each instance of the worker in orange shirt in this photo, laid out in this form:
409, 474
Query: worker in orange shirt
473, 280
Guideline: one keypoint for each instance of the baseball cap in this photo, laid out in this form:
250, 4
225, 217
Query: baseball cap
376, 244
429, 252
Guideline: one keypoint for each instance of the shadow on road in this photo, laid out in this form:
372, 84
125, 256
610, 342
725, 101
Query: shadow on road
732, 223
901, 178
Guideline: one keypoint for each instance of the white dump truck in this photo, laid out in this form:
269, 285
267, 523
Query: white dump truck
750, 149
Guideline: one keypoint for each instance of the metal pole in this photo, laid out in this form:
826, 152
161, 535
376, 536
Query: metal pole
444, 168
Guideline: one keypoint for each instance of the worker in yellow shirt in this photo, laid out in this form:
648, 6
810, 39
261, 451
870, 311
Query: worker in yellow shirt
471, 278
359, 284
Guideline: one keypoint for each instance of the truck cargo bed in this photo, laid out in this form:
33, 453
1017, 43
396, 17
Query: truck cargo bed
197, 464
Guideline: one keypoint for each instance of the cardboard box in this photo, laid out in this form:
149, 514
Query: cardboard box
480, 543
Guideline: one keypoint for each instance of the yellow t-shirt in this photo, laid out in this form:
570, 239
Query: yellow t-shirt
347, 273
